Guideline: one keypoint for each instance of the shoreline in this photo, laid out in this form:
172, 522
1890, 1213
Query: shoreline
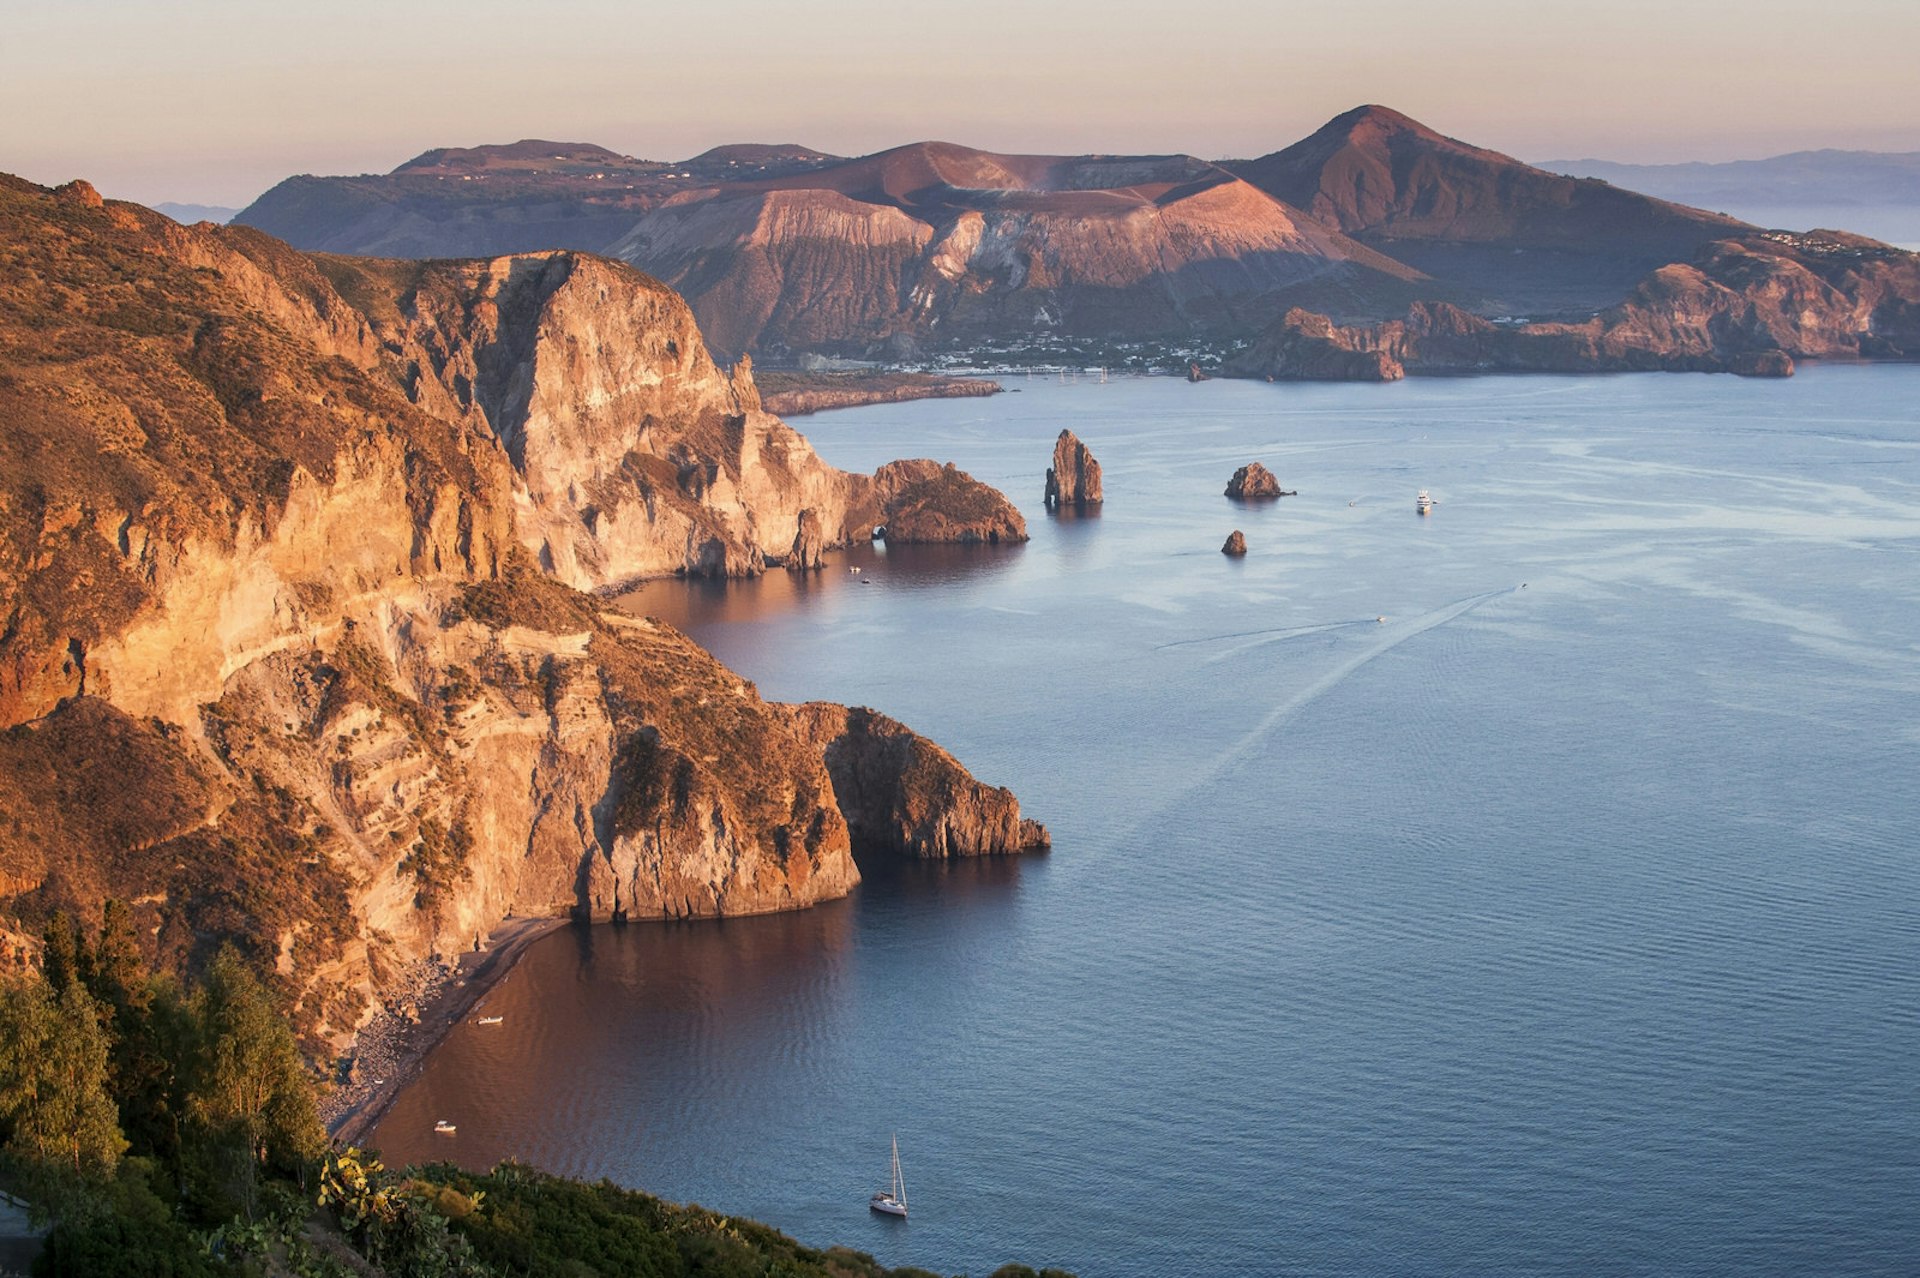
396, 1046
795, 394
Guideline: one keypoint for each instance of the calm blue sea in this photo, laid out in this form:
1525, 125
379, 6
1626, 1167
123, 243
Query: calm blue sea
1529, 888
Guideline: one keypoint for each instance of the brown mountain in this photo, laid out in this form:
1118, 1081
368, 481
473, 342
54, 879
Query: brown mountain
1498, 233
289, 653
782, 248
784, 251
935, 240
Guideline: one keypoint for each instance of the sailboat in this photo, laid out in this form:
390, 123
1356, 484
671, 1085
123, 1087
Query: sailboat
892, 1201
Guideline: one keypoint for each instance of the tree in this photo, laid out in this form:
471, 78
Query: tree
249, 1090
62, 1128
62, 952
142, 1017
116, 970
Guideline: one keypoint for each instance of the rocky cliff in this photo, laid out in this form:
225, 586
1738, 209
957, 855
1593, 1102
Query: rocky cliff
903, 794
291, 654
637, 455
1074, 477
1751, 306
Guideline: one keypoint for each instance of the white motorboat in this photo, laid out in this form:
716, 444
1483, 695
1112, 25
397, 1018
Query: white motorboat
1423, 503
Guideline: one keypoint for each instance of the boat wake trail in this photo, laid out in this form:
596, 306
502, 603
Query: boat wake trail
1392, 636
1264, 636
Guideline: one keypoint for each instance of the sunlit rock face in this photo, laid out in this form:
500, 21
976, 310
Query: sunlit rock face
293, 653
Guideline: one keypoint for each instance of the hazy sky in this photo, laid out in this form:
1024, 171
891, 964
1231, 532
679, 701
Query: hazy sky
215, 100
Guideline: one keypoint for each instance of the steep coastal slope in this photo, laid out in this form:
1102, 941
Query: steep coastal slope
1751, 306
636, 454
279, 660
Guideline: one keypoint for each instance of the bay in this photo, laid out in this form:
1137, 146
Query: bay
1530, 887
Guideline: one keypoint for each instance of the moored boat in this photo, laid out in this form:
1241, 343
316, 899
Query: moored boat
892, 1201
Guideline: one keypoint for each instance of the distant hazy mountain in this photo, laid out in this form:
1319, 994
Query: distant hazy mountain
783, 249
188, 214
1871, 192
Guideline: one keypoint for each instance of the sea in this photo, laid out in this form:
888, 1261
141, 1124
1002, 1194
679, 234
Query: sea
1532, 887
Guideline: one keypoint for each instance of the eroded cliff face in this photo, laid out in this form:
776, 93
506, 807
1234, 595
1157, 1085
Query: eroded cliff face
1750, 306
637, 455
279, 664
905, 795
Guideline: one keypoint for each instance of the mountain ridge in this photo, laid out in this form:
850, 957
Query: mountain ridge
933, 246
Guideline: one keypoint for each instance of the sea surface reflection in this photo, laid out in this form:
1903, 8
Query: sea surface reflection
1527, 888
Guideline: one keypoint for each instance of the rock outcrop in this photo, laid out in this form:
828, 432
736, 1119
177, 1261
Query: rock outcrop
1254, 482
925, 501
1236, 544
291, 654
1074, 477
1750, 306
1308, 347
904, 795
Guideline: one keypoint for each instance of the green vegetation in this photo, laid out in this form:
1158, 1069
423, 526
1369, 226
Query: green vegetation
170, 1133
133, 1112
438, 860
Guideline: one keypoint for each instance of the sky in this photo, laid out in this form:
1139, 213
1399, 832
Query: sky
213, 101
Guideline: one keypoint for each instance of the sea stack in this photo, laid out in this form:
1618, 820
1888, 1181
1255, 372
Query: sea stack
809, 543
1236, 544
1254, 482
1074, 477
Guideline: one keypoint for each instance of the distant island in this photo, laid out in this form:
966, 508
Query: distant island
933, 254
188, 214
1873, 193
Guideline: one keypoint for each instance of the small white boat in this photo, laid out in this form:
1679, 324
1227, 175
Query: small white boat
490, 1020
892, 1201
1423, 503
444, 1127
